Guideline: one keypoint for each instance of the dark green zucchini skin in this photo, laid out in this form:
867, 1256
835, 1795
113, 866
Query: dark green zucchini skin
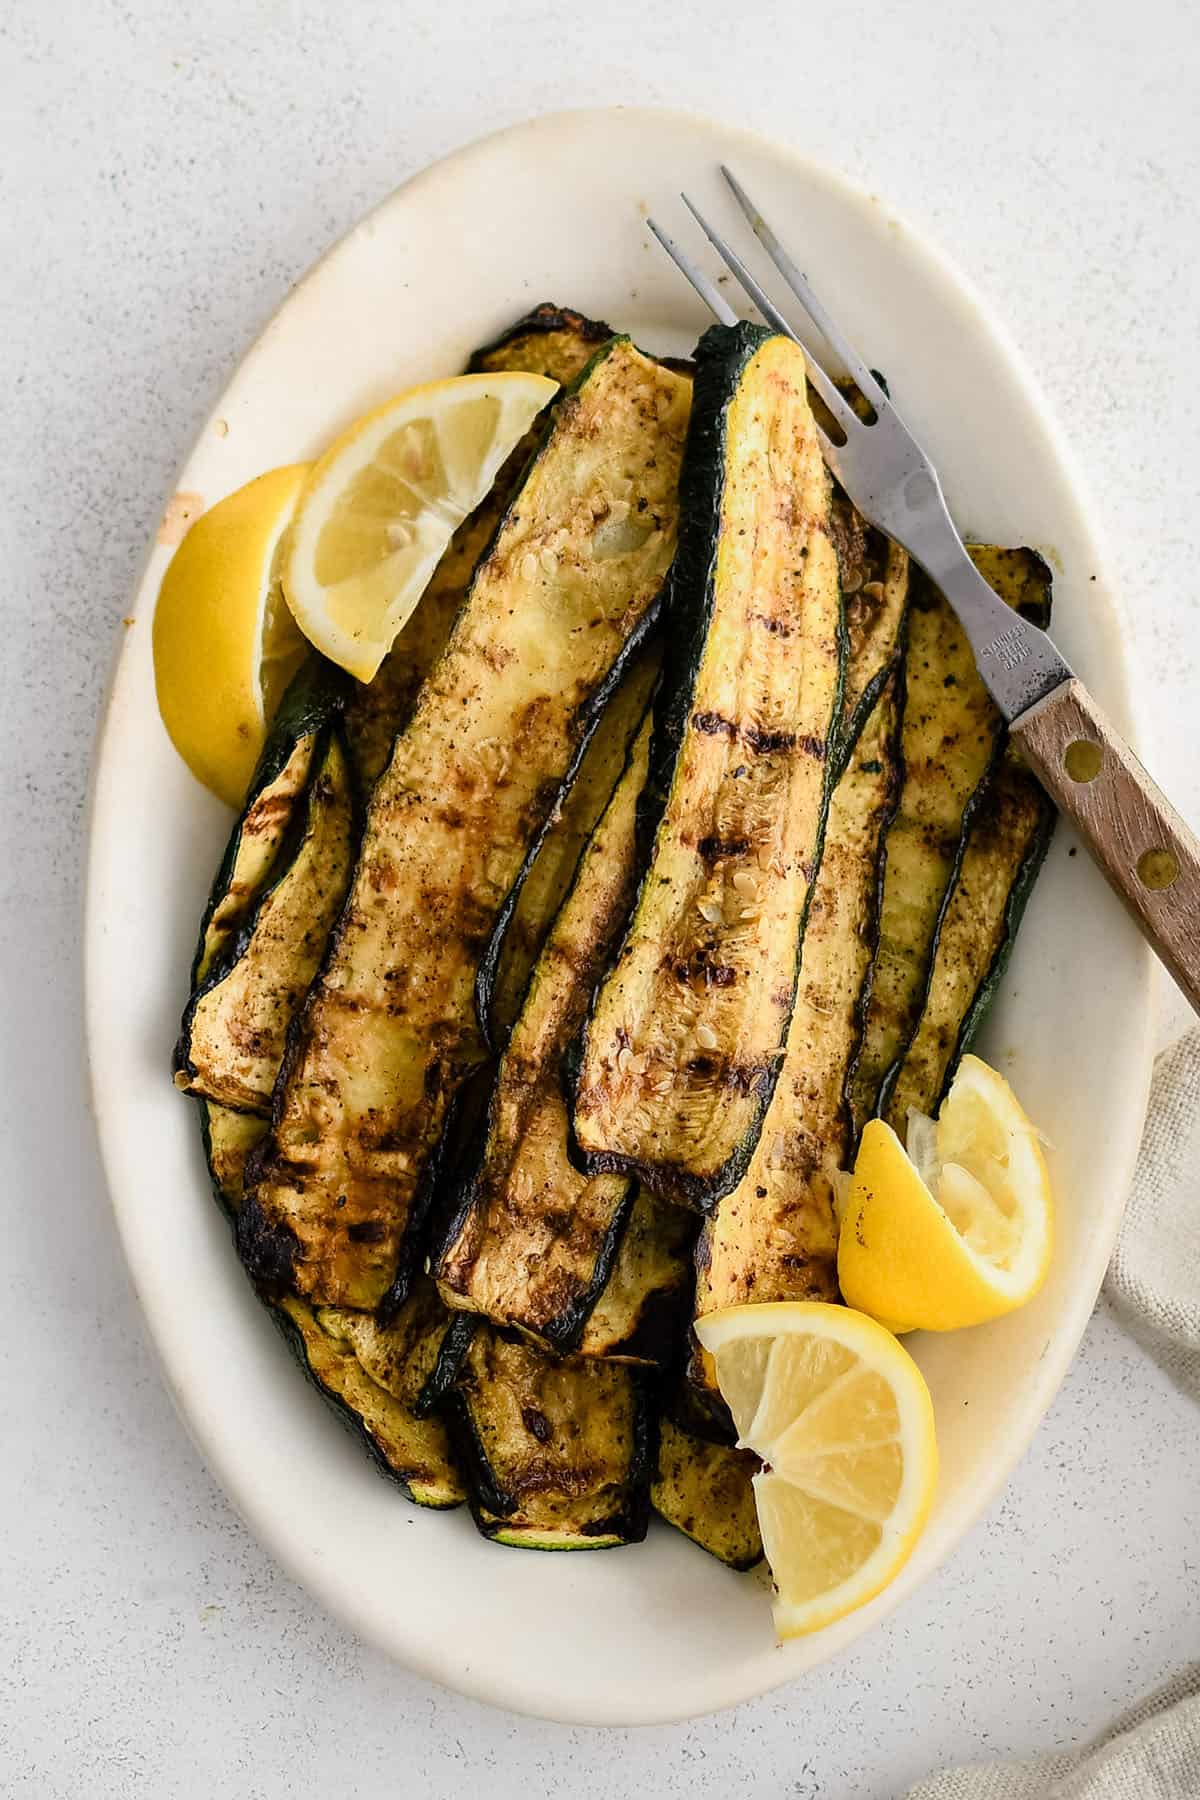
314, 698
444, 1374
721, 359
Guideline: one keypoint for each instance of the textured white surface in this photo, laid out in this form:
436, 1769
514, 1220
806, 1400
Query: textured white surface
166, 172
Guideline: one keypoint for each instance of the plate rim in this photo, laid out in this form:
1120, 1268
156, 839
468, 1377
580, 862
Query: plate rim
236, 1482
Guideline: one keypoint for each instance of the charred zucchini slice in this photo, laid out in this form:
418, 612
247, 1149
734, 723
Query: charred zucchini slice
555, 612
559, 1453
313, 699
415, 1453
552, 341
705, 1490
533, 901
875, 579
534, 1242
638, 1313
228, 1138
685, 1038
952, 736
236, 1020
1003, 851
370, 1374
775, 1236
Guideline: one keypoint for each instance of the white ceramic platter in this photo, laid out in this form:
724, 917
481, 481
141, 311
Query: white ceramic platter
556, 210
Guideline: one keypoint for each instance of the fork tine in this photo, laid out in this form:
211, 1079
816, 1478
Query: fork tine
835, 338
833, 397
715, 301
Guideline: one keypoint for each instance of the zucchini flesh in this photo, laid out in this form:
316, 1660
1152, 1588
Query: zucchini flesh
370, 1375
534, 1242
237, 1018
535, 897
551, 341
1003, 851
559, 1453
775, 1236
683, 1046
228, 1137
637, 1315
555, 612
705, 1490
875, 575
413, 1452
952, 735
312, 699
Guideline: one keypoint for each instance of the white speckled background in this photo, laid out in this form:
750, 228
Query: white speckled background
166, 171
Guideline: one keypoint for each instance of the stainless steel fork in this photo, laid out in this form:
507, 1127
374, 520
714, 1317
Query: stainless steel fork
1145, 849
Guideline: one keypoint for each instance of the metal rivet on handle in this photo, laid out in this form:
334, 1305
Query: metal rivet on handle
1082, 760
1157, 869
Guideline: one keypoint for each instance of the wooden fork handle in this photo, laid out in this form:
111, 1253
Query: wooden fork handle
1142, 845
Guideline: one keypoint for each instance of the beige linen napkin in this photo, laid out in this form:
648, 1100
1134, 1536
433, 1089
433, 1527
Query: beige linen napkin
1153, 1752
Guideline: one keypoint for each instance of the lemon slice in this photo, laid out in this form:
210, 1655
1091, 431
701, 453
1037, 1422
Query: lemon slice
383, 502
840, 1414
225, 644
958, 1229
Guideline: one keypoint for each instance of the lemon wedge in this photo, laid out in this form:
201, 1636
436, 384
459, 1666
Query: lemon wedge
841, 1416
958, 1228
381, 505
225, 644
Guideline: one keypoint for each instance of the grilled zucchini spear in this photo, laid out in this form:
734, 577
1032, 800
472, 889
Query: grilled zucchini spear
704, 1490
952, 738
996, 862
387, 1034
236, 1021
533, 901
550, 341
560, 1454
682, 1048
292, 839
534, 1242
370, 1374
774, 1237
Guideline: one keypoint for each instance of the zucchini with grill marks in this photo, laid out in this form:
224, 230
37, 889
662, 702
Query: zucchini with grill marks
683, 1046
1002, 854
533, 901
638, 1313
559, 1454
370, 1374
236, 1021
874, 574
550, 341
705, 1490
534, 1242
413, 1452
952, 736
555, 612
313, 699
775, 1236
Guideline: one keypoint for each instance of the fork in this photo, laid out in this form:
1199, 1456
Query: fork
1141, 844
